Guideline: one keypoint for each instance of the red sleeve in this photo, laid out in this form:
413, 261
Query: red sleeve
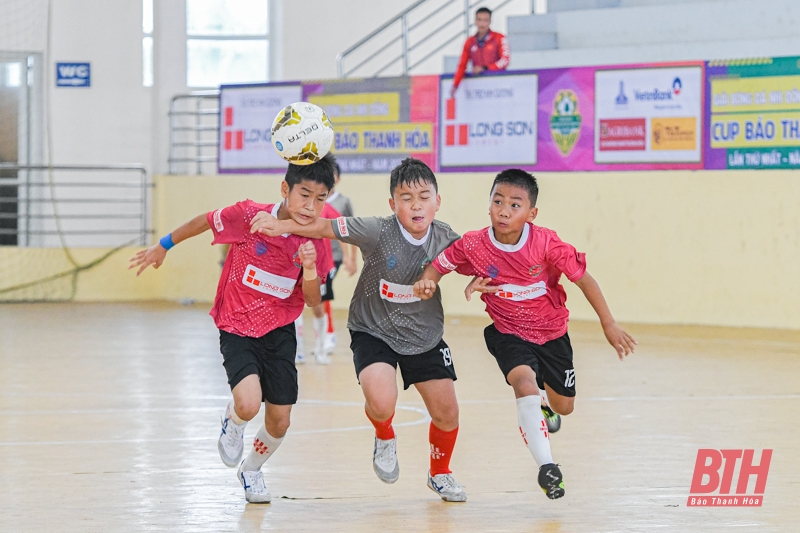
462, 64
229, 224
505, 55
566, 258
454, 258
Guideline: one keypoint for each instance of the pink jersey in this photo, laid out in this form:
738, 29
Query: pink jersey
261, 286
530, 302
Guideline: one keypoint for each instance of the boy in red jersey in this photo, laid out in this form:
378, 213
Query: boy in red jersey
264, 284
517, 267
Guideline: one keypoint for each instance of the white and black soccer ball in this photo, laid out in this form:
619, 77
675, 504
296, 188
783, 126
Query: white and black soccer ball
302, 133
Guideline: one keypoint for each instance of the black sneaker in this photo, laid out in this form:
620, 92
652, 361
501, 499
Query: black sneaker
551, 481
553, 419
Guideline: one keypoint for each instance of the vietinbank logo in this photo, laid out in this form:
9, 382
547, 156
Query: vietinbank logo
659, 95
460, 134
713, 478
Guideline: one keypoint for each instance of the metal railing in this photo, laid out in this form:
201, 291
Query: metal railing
74, 205
193, 125
417, 25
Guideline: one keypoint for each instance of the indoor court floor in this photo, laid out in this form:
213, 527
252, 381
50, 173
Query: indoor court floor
109, 415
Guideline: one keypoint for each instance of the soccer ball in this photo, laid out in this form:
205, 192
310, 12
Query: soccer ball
302, 133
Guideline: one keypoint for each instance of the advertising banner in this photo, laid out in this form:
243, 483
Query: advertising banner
378, 122
754, 114
245, 123
648, 115
489, 124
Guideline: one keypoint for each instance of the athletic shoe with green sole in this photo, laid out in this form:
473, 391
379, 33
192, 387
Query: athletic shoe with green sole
551, 481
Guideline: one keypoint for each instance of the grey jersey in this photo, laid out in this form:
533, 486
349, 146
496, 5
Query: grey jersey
342, 204
383, 304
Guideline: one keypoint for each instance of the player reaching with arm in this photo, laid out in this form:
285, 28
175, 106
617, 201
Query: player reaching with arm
343, 255
517, 267
389, 326
264, 284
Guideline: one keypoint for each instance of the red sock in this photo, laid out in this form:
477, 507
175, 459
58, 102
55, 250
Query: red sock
329, 314
383, 430
442, 444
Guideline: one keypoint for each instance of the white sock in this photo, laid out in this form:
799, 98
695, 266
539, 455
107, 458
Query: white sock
298, 332
533, 428
545, 399
320, 328
234, 417
264, 445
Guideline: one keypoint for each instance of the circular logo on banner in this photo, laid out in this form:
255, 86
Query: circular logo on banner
565, 122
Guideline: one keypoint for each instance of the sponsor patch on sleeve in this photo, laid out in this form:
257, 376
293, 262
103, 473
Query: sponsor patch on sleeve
445, 262
341, 222
218, 225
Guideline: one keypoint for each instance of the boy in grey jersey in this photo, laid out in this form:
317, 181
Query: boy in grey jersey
389, 326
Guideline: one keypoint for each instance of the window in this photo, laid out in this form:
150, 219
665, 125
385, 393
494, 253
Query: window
227, 42
147, 43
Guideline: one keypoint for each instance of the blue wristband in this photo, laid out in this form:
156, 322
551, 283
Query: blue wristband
166, 242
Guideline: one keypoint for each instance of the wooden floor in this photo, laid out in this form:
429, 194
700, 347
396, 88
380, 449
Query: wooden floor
109, 416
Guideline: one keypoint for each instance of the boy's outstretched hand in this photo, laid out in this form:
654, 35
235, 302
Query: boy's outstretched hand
480, 285
623, 343
424, 289
151, 256
265, 223
307, 253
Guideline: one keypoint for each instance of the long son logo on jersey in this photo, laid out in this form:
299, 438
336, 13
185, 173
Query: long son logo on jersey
272, 284
518, 293
394, 292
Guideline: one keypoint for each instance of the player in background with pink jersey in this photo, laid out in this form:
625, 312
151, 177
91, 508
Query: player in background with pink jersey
264, 285
517, 266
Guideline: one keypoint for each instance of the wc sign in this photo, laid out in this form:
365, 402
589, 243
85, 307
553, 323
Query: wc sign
714, 483
73, 75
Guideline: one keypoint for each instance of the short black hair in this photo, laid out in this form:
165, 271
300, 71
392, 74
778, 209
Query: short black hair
336, 168
484, 10
319, 172
519, 178
410, 171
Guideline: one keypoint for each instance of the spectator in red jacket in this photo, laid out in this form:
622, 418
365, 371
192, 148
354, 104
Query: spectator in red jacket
487, 49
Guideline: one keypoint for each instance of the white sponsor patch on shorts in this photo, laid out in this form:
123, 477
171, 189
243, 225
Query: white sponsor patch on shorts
518, 293
272, 284
394, 292
342, 224
218, 225
445, 262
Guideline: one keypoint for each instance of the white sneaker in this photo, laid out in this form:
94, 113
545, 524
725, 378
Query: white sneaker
299, 359
254, 489
384, 460
330, 343
446, 487
231, 439
322, 359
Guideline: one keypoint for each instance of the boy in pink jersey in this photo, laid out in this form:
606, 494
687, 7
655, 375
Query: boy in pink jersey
264, 285
517, 267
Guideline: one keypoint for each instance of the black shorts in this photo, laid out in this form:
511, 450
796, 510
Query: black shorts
551, 361
326, 289
433, 364
270, 357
